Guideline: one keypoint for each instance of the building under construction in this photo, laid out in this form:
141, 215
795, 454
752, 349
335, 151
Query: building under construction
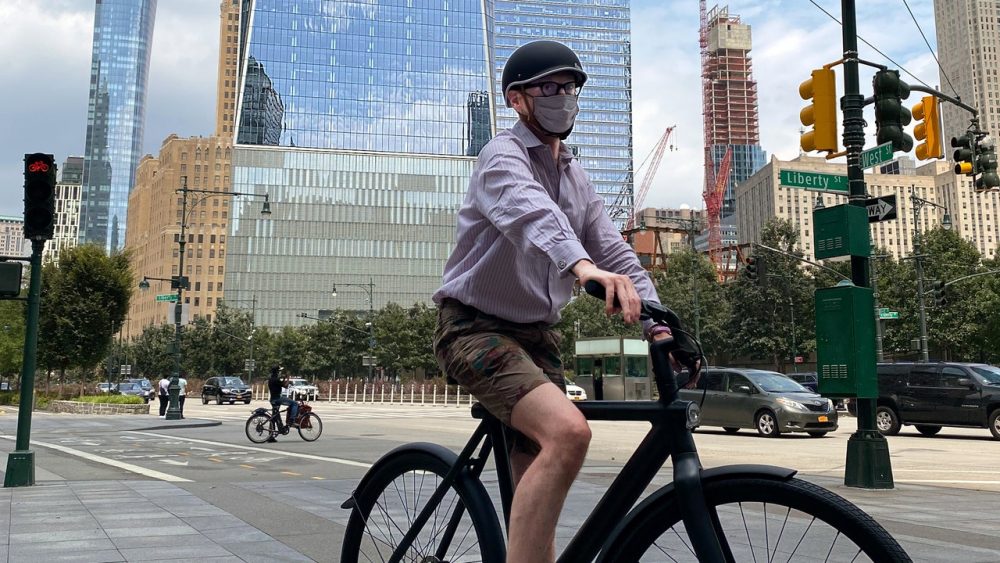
729, 96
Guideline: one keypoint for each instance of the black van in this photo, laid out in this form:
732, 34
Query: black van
933, 395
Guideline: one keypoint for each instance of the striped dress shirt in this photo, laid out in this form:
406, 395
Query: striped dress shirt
527, 219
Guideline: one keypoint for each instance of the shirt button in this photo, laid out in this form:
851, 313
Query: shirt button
562, 264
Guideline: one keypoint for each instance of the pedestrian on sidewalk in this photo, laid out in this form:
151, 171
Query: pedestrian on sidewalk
182, 383
163, 394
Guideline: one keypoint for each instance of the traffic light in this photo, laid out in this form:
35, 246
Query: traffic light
822, 114
756, 269
890, 115
751, 268
929, 128
39, 196
986, 166
937, 287
965, 154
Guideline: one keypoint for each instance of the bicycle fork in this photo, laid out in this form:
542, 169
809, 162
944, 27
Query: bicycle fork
702, 525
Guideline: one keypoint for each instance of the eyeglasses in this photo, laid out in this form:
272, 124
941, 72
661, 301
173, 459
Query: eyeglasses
550, 88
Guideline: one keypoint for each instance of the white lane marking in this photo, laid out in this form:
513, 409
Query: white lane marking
953, 481
108, 461
174, 462
265, 450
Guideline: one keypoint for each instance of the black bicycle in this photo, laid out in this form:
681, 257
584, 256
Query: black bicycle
422, 503
264, 425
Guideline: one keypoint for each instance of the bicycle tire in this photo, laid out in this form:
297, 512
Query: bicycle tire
310, 427
260, 428
792, 509
413, 476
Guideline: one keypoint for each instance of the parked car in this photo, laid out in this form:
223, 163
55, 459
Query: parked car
575, 392
223, 389
127, 388
930, 396
805, 379
736, 398
148, 392
300, 389
106, 387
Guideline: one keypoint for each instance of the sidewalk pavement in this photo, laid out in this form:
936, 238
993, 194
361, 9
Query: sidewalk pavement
147, 520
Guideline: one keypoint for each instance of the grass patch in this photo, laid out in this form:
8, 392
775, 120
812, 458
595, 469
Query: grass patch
109, 399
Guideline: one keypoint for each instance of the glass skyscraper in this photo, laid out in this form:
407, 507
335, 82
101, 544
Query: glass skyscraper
119, 68
361, 121
599, 31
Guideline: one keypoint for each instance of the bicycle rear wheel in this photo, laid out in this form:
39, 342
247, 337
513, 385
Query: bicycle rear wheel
260, 427
310, 427
765, 520
462, 528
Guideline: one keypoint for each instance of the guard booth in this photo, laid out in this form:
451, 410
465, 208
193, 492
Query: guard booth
616, 366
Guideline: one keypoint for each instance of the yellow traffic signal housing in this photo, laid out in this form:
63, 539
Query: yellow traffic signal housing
929, 128
822, 114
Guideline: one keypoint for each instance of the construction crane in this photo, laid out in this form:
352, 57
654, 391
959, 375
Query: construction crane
715, 191
647, 180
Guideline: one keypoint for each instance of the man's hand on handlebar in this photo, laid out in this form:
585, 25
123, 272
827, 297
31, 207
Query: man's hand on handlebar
677, 366
615, 286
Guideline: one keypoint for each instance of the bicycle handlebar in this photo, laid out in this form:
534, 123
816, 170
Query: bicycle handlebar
685, 348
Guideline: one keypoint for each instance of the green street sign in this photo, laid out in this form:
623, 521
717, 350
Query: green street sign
876, 156
888, 314
883, 310
167, 297
813, 181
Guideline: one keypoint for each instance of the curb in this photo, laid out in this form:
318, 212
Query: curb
200, 424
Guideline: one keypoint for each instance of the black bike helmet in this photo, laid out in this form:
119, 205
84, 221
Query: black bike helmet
537, 59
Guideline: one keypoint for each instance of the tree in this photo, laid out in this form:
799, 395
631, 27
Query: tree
687, 275
84, 300
150, 352
773, 317
11, 338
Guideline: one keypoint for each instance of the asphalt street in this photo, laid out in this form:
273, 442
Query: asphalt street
279, 488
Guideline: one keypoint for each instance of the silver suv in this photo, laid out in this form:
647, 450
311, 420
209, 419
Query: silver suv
300, 389
768, 401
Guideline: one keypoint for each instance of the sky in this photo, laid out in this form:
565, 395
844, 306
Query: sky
46, 46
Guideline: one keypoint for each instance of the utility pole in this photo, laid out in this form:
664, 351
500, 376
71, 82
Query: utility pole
868, 464
924, 356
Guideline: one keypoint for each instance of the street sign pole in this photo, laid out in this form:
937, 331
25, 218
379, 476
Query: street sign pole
868, 464
21, 462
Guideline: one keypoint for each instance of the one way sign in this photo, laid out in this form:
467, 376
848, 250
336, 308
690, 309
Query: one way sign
881, 208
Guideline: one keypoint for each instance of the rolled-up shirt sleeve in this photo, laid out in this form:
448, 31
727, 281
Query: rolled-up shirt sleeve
505, 192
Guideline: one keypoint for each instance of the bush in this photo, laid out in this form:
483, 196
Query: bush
108, 399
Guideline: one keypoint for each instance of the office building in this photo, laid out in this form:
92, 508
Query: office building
968, 40
729, 101
664, 231
974, 217
200, 163
69, 191
119, 69
359, 123
599, 31
12, 241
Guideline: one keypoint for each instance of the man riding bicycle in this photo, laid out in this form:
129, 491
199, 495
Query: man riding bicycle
275, 384
531, 225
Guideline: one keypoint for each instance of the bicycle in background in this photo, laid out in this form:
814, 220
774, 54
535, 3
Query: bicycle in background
264, 425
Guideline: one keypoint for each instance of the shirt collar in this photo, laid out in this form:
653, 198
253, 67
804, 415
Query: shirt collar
530, 141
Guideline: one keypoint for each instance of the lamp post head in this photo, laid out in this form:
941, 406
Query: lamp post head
946, 222
266, 209
144, 284
333, 291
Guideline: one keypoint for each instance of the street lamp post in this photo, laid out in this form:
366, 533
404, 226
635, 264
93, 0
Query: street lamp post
180, 282
918, 203
368, 288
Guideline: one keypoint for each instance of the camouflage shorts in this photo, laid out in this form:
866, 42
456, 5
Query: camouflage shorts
496, 361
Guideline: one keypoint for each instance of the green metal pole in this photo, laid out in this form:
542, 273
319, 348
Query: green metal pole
21, 461
868, 465
174, 389
919, 263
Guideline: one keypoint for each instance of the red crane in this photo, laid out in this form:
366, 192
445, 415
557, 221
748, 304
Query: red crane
715, 190
647, 180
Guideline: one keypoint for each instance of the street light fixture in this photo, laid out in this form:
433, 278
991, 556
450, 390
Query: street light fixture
180, 282
368, 288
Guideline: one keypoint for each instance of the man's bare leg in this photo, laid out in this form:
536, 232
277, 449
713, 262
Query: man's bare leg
546, 416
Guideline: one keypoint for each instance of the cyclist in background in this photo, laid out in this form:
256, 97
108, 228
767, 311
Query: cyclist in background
275, 384
531, 225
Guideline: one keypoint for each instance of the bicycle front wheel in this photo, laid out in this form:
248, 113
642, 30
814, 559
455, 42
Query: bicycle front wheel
462, 528
310, 427
260, 427
765, 520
